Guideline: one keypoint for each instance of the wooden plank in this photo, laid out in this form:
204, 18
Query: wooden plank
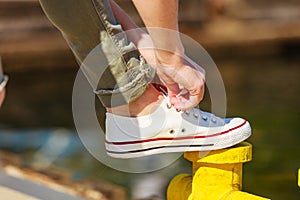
36, 182
7, 193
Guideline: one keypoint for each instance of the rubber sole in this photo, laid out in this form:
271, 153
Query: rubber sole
220, 140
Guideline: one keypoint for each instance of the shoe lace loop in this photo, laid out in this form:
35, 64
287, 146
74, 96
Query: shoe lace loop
167, 98
196, 113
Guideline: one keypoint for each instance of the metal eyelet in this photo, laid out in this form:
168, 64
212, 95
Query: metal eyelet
214, 120
183, 130
187, 112
204, 117
171, 131
196, 115
178, 110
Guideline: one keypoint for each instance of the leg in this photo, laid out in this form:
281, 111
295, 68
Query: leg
87, 23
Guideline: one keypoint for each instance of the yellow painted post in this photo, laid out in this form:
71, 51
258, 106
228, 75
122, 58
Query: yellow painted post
216, 176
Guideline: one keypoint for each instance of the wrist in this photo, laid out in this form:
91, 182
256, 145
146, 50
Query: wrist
168, 58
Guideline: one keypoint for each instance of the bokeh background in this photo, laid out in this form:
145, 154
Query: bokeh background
255, 44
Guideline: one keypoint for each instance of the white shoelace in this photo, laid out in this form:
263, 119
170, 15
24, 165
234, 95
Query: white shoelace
195, 111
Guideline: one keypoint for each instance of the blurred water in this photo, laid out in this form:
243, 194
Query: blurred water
262, 89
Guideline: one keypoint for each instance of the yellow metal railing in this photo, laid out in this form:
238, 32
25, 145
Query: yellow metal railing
216, 176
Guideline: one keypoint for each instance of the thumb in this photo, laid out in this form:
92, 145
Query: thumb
173, 90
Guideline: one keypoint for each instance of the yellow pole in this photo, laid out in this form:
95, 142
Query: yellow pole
216, 176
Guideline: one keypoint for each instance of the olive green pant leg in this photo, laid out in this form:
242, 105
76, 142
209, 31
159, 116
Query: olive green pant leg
111, 63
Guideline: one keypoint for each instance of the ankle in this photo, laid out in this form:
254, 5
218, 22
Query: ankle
143, 105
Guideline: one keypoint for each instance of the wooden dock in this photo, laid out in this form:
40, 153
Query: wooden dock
18, 181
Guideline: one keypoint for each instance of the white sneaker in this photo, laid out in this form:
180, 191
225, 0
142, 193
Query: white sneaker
169, 130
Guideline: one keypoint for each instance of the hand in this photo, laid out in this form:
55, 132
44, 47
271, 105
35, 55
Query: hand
183, 78
185, 82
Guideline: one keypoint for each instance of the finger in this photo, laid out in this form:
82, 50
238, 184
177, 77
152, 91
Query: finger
172, 87
173, 90
184, 103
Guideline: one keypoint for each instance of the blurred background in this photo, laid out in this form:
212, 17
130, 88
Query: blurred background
255, 44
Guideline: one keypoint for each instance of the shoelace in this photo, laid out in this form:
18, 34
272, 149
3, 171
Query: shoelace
187, 112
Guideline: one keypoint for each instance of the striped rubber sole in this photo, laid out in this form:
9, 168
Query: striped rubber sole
140, 148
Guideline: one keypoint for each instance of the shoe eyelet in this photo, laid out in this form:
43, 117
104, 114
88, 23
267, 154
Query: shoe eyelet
196, 116
178, 110
171, 131
204, 117
214, 120
183, 130
187, 112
